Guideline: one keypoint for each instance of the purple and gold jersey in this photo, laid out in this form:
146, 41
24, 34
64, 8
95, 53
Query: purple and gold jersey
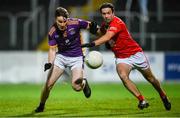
68, 41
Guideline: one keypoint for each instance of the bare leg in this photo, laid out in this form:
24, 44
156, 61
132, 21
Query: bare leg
79, 83
123, 71
77, 74
151, 78
148, 75
53, 76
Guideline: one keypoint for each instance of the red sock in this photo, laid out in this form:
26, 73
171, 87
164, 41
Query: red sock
140, 98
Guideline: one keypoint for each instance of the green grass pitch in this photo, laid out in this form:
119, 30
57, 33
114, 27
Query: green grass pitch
107, 100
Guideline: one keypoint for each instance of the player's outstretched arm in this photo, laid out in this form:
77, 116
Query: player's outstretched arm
99, 41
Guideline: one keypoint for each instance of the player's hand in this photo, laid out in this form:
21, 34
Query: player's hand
93, 27
92, 44
47, 66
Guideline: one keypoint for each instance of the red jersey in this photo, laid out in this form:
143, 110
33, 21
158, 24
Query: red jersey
122, 44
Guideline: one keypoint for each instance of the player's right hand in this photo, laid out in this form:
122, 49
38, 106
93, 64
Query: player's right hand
47, 66
93, 27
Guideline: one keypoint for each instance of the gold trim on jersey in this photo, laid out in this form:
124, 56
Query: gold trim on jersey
52, 30
73, 22
53, 46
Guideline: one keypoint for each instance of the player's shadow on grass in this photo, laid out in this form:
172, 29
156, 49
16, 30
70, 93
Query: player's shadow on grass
26, 115
71, 112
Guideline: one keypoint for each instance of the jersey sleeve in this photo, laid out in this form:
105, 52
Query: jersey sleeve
83, 24
51, 40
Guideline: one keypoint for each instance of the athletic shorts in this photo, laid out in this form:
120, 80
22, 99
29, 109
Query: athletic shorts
71, 62
137, 60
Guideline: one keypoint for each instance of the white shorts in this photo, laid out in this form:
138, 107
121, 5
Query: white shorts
71, 62
137, 60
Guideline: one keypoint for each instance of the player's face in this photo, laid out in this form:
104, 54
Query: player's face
107, 14
61, 22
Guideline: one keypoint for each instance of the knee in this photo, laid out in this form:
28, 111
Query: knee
151, 79
124, 77
77, 85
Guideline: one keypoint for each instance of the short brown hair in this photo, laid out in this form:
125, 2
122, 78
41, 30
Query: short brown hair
107, 5
60, 11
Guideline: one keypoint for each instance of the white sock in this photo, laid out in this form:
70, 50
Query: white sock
84, 83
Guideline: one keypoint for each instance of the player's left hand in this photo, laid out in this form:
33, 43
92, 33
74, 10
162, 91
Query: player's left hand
92, 44
47, 66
